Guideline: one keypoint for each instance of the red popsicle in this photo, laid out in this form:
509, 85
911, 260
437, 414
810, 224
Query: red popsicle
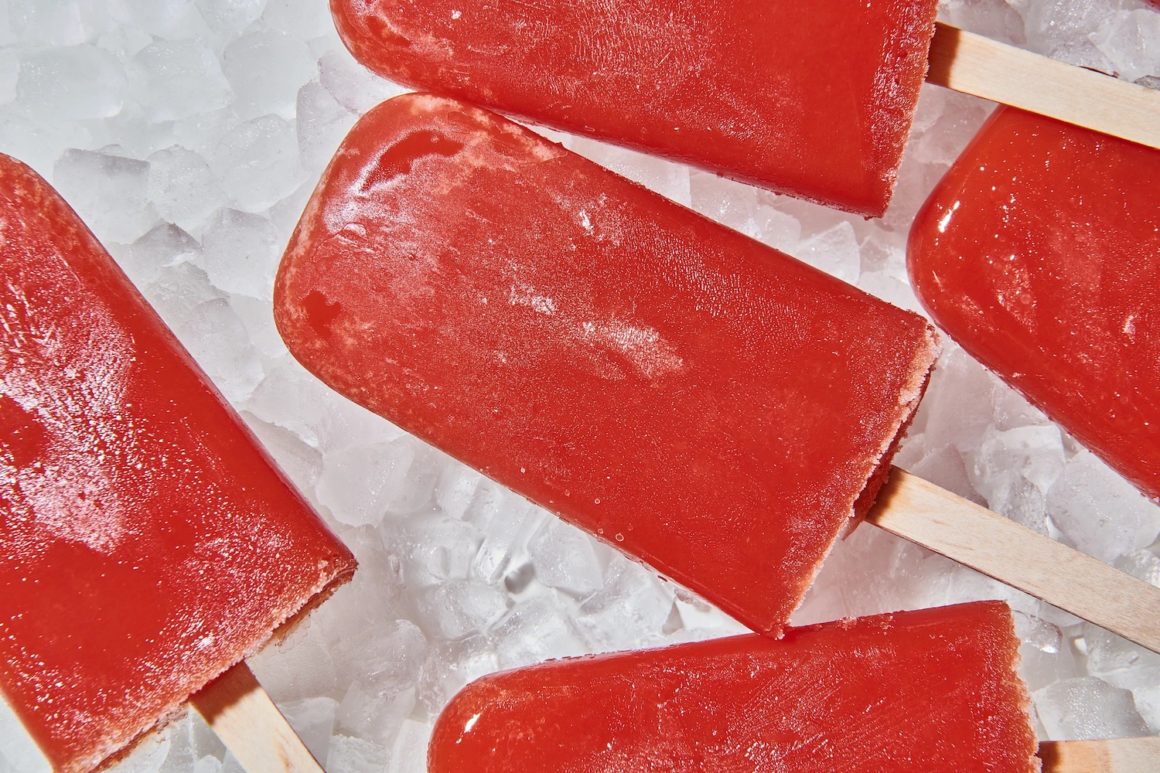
933, 690
814, 99
1039, 252
710, 406
146, 543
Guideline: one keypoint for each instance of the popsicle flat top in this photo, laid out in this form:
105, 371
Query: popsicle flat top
1039, 252
704, 403
912, 691
812, 98
146, 543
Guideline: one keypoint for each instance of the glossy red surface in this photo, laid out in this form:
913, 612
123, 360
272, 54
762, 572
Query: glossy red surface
146, 543
913, 691
812, 98
700, 401
1039, 252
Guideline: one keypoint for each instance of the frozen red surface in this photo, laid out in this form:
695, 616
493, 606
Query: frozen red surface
813, 98
700, 401
146, 542
1039, 252
913, 691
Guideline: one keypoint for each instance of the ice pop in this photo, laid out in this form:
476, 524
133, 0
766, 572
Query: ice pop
708, 405
147, 544
913, 691
1039, 252
813, 99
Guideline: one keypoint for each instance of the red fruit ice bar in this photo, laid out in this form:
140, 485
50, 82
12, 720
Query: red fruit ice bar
1039, 252
146, 543
913, 691
708, 405
813, 99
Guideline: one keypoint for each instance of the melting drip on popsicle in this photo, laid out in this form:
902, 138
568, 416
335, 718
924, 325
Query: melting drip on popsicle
1039, 252
146, 543
814, 99
610, 355
913, 691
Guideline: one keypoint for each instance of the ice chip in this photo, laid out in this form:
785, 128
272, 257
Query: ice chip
182, 187
266, 68
1096, 508
567, 559
1088, 708
241, 251
176, 79
71, 84
109, 191
258, 164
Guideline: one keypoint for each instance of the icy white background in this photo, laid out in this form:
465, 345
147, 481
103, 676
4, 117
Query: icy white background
189, 134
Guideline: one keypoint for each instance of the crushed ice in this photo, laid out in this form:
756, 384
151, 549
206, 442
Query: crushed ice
189, 133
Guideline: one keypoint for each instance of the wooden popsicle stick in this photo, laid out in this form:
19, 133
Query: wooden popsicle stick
976, 65
1121, 755
251, 726
1000, 548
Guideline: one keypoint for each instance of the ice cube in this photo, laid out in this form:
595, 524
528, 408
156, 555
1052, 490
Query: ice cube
1014, 469
1131, 41
146, 259
373, 714
241, 253
452, 664
352, 85
459, 608
170, 19
456, 488
18, 752
313, 721
37, 22
361, 483
9, 74
1099, 510
266, 68
182, 188
535, 631
175, 79
257, 163
667, 178
218, 340
322, 124
568, 559
109, 191
229, 17
835, 251
629, 611
1088, 708
409, 751
303, 19
71, 84
354, 755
